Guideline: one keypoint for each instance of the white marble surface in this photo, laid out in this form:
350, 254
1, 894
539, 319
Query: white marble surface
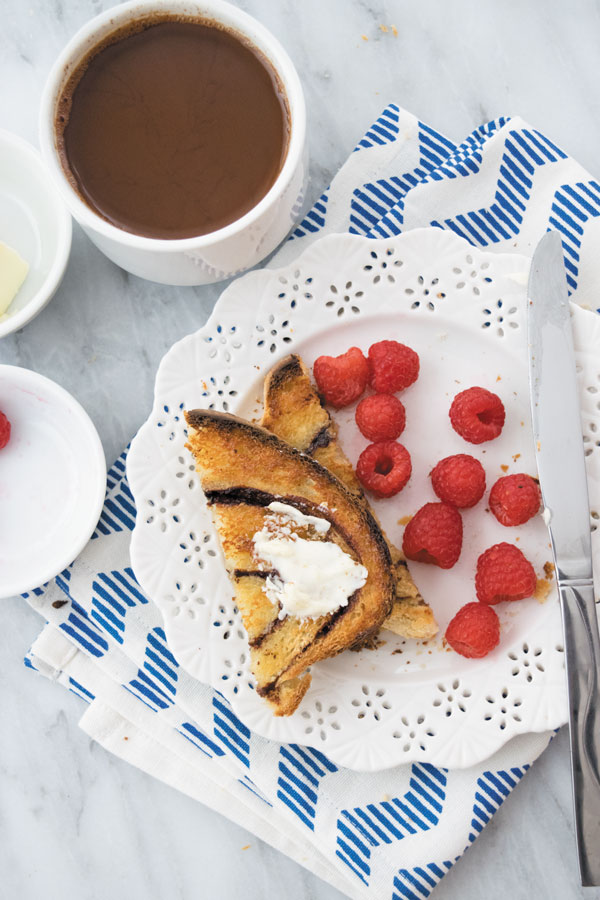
73, 820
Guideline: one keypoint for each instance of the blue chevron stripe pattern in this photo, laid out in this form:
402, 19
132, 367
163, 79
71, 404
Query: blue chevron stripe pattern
156, 682
83, 631
76, 688
36, 592
62, 581
200, 740
116, 516
314, 220
116, 473
359, 830
503, 218
525, 150
227, 728
118, 513
491, 791
301, 770
434, 149
373, 201
113, 593
29, 664
466, 158
250, 786
418, 883
383, 131
572, 207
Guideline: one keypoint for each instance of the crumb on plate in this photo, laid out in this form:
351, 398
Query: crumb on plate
544, 585
374, 642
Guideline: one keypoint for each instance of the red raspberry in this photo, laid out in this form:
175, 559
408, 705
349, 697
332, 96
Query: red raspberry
434, 535
4, 431
384, 468
515, 499
381, 417
474, 630
342, 379
477, 415
392, 367
459, 480
503, 573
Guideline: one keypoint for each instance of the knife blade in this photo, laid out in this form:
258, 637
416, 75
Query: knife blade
561, 468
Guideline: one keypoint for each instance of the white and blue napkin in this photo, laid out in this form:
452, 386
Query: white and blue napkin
391, 834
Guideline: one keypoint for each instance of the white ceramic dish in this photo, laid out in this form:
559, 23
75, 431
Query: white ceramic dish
52, 480
239, 245
462, 309
35, 222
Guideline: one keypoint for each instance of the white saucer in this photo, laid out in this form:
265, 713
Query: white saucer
52, 480
35, 222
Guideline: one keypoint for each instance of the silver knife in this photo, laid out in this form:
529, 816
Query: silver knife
561, 468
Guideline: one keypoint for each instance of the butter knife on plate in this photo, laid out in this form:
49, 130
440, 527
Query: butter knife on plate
561, 468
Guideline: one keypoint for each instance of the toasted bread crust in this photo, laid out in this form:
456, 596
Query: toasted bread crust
285, 698
295, 412
242, 468
291, 414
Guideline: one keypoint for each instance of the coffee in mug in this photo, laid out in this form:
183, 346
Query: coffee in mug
172, 126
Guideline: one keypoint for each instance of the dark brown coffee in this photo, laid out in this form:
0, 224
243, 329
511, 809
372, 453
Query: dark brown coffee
172, 128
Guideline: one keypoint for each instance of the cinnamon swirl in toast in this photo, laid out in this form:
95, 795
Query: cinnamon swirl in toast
294, 412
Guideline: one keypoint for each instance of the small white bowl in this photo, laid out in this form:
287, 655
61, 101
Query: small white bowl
35, 222
52, 480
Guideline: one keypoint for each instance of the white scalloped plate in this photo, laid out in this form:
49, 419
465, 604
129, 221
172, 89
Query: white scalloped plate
462, 309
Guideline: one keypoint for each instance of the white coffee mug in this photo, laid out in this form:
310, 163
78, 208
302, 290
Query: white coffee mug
219, 254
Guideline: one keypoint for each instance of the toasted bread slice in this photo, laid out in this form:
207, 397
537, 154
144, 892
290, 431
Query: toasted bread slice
293, 410
243, 468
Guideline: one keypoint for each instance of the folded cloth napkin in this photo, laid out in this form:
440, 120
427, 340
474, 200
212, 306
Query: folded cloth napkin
388, 834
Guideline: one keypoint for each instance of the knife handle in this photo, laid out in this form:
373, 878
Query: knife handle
582, 659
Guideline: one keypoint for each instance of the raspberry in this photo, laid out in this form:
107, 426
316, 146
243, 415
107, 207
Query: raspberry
459, 480
4, 431
384, 468
515, 499
434, 535
477, 415
381, 417
342, 379
474, 630
392, 367
503, 573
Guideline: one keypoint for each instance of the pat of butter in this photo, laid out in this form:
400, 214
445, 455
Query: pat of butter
310, 578
13, 271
